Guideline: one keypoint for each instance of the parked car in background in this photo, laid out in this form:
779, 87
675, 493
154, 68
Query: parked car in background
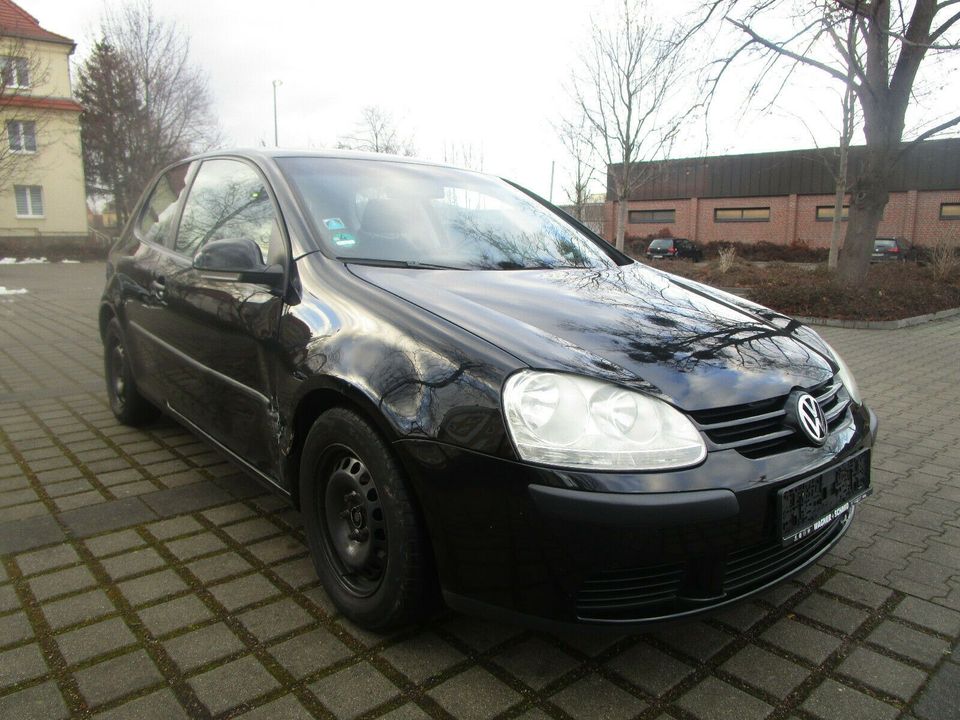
892, 249
466, 392
674, 249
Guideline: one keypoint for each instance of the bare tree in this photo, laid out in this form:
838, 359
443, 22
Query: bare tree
578, 142
377, 132
848, 122
625, 94
883, 49
464, 155
141, 68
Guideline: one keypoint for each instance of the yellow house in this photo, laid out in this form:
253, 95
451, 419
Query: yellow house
42, 193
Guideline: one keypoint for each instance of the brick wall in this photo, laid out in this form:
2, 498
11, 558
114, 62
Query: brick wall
913, 215
930, 228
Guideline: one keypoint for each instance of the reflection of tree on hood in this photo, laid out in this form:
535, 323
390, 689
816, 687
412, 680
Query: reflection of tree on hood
684, 328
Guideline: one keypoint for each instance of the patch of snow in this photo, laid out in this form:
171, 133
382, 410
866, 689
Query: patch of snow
11, 291
70, 262
25, 261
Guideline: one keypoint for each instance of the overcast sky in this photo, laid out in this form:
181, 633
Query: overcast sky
491, 75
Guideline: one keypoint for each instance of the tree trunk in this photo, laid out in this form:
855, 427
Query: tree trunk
841, 189
621, 226
836, 228
869, 198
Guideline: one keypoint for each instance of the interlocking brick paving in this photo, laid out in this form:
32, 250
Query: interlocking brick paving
141, 575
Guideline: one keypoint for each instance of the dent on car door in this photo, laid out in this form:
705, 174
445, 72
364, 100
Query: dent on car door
223, 327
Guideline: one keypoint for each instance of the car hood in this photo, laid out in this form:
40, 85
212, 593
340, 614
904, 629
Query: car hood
692, 345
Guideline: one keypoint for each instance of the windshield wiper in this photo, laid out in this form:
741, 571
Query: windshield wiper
383, 262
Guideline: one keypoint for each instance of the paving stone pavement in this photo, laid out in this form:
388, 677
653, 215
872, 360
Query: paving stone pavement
142, 576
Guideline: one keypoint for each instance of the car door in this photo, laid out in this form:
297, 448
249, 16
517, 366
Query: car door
141, 268
223, 328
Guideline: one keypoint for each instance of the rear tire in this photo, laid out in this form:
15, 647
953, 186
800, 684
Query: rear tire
364, 532
126, 402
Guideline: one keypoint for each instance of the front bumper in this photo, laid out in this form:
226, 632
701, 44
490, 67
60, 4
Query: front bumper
548, 547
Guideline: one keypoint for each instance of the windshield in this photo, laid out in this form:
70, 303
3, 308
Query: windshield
661, 244
884, 244
416, 215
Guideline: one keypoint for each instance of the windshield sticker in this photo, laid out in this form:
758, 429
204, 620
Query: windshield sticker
344, 239
334, 224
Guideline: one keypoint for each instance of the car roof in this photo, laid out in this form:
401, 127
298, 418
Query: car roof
262, 153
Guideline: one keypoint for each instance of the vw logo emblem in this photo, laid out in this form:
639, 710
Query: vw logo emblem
810, 418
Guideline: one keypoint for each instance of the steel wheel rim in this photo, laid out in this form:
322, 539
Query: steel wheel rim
117, 379
353, 523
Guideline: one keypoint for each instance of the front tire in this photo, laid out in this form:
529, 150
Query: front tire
126, 402
364, 532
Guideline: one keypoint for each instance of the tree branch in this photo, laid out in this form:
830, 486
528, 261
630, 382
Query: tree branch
780, 50
930, 133
944, 26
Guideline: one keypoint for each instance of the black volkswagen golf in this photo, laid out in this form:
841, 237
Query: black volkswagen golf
469, 395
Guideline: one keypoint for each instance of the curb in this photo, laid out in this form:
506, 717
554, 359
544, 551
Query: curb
880, 324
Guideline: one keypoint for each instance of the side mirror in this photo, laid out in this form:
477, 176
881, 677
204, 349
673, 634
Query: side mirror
230, 255
237, 260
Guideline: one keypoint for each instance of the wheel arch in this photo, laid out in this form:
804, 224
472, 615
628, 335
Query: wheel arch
107, 313
327, 394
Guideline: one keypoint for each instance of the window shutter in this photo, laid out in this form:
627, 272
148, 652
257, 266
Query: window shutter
36, 200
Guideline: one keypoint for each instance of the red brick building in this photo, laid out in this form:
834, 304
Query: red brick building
786, 197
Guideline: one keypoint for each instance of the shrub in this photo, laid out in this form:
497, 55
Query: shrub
765, 251
53, 250
728, 256
943, 260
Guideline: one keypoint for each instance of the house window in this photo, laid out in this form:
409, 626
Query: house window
14, 72
825, 213
757, 214
29, 200
652, 216
22, 136
950, 211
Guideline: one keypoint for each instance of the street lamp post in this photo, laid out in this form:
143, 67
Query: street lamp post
276, 84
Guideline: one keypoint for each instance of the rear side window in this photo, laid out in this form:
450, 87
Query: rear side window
158, 212
229, 200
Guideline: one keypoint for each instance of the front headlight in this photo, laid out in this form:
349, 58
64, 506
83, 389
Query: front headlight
846, 377
576, 422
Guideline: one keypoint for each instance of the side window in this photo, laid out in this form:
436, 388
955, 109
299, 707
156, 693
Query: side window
159, 210
228, 200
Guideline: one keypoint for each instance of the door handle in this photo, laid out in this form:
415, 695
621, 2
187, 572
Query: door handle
158, 286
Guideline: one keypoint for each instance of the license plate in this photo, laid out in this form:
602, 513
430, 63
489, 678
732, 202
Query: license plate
811, 504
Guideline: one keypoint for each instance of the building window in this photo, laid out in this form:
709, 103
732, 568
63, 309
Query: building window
14, 72
825, 213
950, 211
652, 216
757, 214
22, 136
29, 200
